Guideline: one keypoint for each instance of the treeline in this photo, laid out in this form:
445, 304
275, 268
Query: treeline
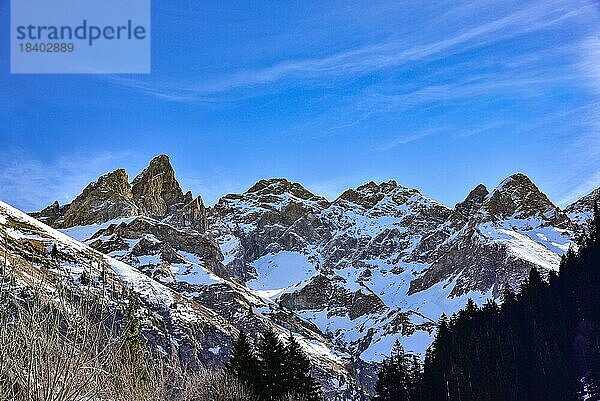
542, 344
273, 370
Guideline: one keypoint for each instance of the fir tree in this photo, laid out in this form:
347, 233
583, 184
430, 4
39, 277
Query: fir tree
393, 380
54, 252
243, 362
298, 373
542, 344
272, 363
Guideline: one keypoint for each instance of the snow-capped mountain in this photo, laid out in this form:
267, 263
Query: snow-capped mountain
349, 277
581, 211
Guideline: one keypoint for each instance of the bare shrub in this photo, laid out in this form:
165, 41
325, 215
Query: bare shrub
69, 346
211, 385
60, 348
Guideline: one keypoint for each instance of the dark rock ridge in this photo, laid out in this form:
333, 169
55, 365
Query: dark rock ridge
155, 193
52, 214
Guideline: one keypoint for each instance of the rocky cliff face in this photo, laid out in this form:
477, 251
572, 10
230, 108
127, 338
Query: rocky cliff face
108, 198
515, 228
472, 203
272, 216
379, 263
581, 211
156, 191
191, 215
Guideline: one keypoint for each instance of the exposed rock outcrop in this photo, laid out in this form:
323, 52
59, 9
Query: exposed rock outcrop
472, 202
515, 228
155, 190
52, 215
581, 211
192, 215
108, 198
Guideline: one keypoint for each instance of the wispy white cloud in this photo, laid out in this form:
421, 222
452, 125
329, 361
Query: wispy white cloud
589, 64
584, 150
591, 182
404, 139
532, 17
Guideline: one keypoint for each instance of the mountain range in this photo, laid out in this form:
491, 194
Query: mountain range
347, 277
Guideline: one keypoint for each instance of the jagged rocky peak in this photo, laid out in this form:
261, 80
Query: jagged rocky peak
267, 190
371, 193
108, 198
518, 197
156, 189
192, 215
275, 194
52, 214
389, 198
581, 211
472, 202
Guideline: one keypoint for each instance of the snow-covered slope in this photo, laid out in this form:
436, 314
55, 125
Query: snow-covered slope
386, 260
178, 313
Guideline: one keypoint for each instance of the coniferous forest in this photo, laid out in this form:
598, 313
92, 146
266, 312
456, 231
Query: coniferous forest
274, 370
540, 344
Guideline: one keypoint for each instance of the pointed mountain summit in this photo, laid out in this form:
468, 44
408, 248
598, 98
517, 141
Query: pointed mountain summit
108, 198
280, 186
518, 197
156, 189
52, 214
155, 193
472, 202
516, 228
371, 193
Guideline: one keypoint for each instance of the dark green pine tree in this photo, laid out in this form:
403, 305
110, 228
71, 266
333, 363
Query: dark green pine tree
243, 362
393, 380
298, 372
414, 378
587, 339
272, 356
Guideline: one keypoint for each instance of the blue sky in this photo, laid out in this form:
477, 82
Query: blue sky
438, 95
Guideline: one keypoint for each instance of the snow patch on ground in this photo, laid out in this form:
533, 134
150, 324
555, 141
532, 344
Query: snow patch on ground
276, 272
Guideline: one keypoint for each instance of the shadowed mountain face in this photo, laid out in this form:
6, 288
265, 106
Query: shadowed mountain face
381, 262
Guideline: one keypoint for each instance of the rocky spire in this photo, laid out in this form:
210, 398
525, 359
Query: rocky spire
472, 202
108, 198
156, 190
52, 214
